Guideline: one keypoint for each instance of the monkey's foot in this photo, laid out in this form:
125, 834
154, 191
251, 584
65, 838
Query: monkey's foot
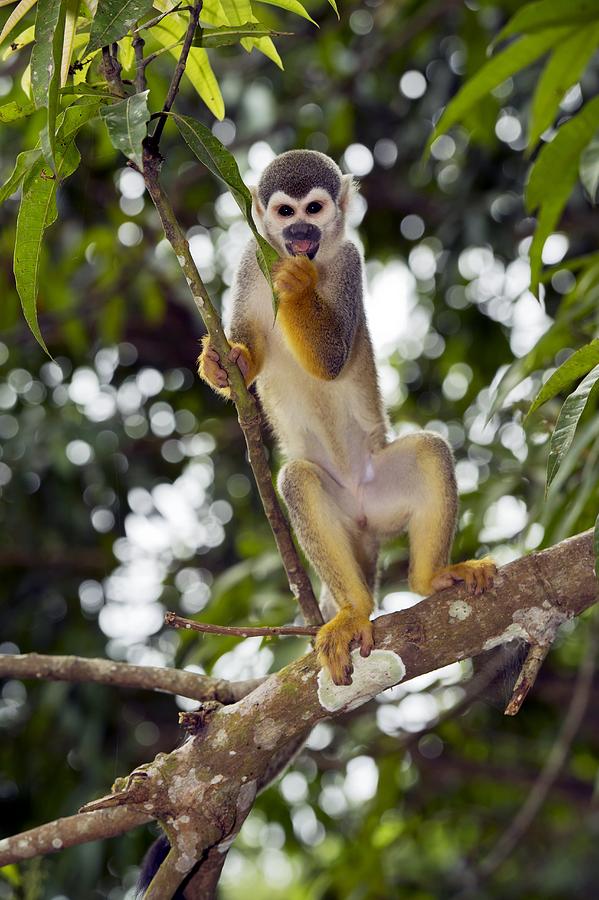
211, 370
477, 574
334, 640
294, 277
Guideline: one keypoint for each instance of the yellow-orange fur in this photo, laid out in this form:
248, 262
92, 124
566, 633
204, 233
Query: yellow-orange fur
302, 316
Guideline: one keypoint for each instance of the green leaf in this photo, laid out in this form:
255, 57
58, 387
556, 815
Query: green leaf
113, 19
15, 17
23, 164
70, 29
588, 168
10, 112
548, 13
38, 209
239, 13
221, 163
577, 365
198, 69
88, 90
334, 5
292, 6
36, 213
127, 125
45, 67
564, 68
518, 55
553, 176
230, 34
567, 422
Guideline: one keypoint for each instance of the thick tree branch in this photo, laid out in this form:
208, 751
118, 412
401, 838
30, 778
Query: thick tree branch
63, 833
123, 675
216, 774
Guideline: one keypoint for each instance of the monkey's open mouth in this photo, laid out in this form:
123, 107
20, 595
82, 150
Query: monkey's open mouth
303, 248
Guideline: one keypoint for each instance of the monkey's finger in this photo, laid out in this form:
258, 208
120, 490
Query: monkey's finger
366, 640
212, 354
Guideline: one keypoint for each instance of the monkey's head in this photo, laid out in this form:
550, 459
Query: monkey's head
300, 204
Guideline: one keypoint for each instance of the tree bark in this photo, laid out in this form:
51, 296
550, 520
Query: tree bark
212, 779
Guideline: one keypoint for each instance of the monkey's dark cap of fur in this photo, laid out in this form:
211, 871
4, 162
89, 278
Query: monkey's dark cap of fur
297, 172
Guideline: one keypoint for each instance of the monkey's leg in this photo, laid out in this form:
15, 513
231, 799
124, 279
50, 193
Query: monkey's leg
323, 516
414, 485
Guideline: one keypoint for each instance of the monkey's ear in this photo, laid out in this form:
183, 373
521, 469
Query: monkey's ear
349, 188
257, 207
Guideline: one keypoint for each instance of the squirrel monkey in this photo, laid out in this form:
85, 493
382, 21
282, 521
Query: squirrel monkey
346, 485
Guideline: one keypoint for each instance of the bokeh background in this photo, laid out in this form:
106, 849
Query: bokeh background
125, 490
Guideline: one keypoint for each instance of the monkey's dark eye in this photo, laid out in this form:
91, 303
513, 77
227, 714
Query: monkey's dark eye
314, 207
285, 211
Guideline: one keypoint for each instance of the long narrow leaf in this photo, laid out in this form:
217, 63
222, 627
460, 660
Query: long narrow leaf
15, 17
577, 365
292, 6
553, 176
221, 163
113, 19
596, 546
127, 125
230, 34
198, 69
519, 55
548, 13
588, 168
38, 209
567, 422
564, 68
12, 111
23, 164
70, 25
45, 67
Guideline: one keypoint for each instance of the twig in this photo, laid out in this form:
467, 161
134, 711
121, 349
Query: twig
62, 833
527, 677
103, 671
555, 761
174, 621
158, 19
138, 44
111, 69
178, 73
247, 411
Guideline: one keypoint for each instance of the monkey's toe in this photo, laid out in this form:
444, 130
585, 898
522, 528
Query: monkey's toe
477, 574
334, 640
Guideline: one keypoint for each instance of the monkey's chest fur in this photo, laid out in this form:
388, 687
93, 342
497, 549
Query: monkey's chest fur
337, 424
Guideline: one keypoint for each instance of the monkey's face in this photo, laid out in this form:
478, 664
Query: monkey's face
302, 227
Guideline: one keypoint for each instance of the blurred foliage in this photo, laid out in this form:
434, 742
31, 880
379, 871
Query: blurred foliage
125, 489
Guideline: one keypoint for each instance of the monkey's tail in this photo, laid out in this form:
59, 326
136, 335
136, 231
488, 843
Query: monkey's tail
152, 861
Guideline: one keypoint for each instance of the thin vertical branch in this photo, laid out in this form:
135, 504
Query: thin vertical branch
173, 88
247, 410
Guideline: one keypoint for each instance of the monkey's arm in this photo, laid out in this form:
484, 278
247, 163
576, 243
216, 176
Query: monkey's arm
247, 341
320, 330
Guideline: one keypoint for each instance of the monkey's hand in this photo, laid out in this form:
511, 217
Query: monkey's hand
294, 278
211, 370
334, 640
477, 574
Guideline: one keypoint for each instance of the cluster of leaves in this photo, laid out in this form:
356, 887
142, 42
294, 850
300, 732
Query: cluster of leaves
570, 35
70, 98
450, 793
